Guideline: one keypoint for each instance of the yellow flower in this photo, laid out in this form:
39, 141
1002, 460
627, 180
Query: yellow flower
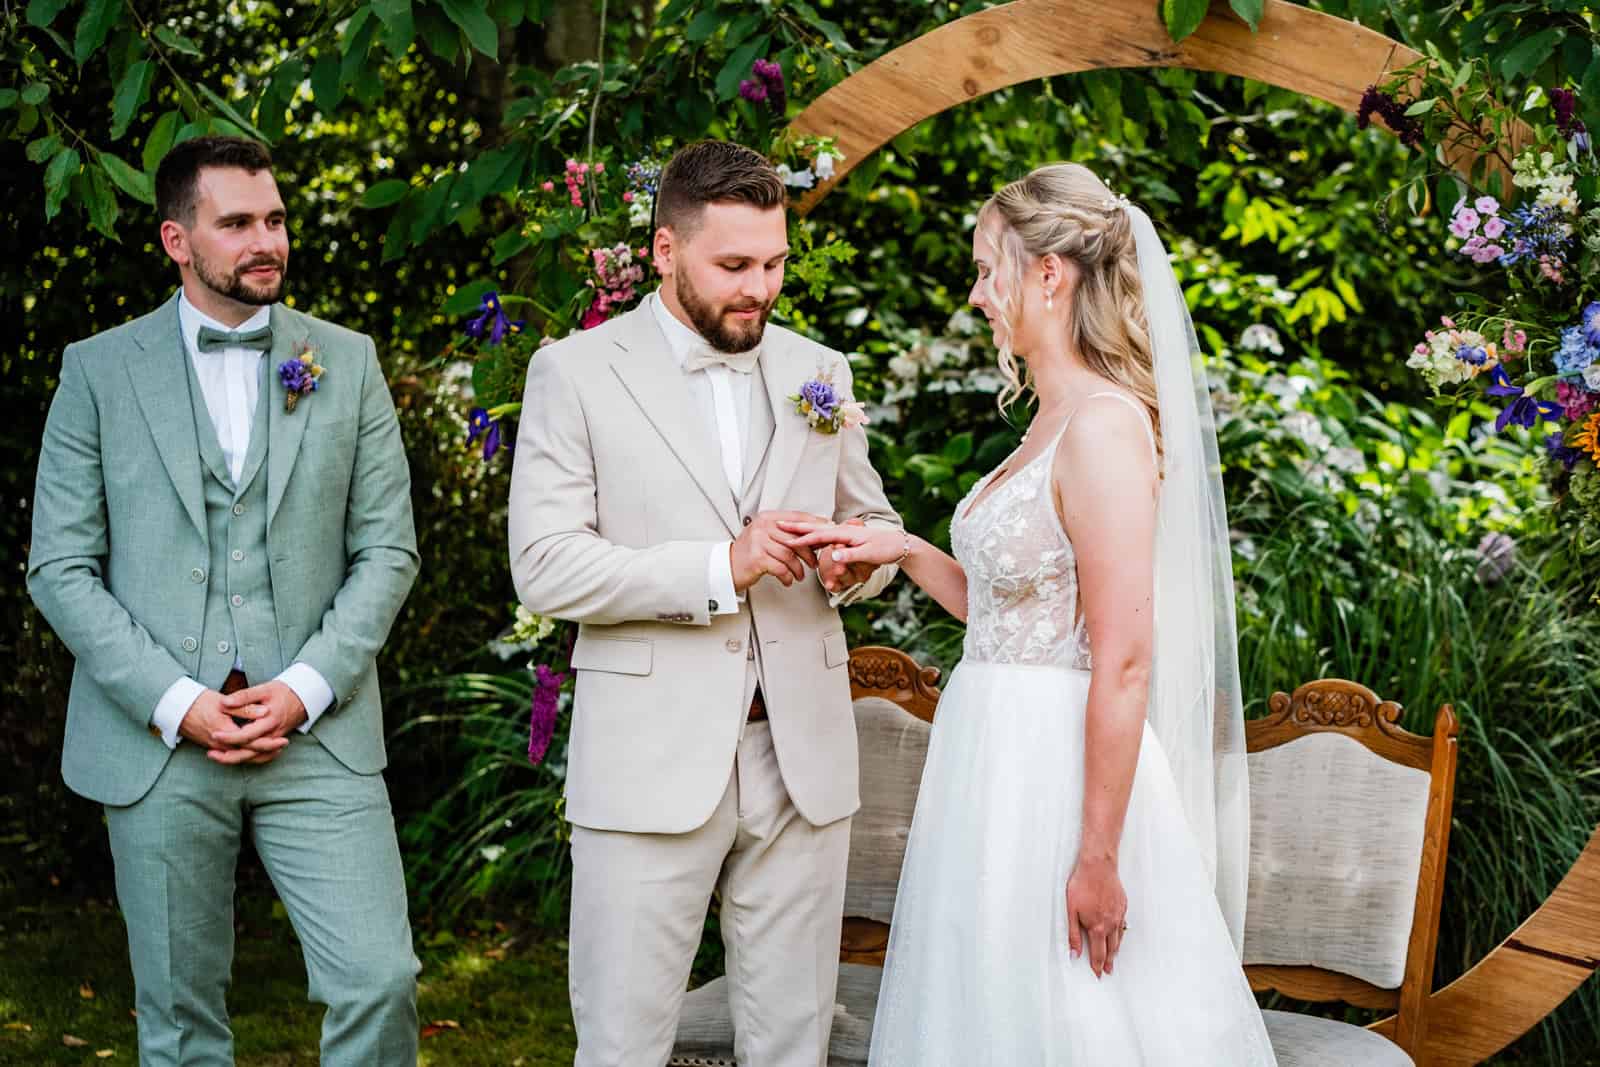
1588, 439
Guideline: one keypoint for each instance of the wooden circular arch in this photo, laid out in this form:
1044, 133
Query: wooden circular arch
1293, 48
1557, 948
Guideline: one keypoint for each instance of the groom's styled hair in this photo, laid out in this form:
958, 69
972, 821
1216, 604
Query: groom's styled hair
710, 172
178, 176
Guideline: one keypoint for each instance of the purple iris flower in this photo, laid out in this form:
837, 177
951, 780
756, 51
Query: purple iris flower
1561, 452
543, 711
821, 397
492, 320
479, 423
1523, 410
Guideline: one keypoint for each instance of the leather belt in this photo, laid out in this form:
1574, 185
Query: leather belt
758, 708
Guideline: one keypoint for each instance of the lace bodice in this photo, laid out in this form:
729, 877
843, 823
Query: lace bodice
1022, 574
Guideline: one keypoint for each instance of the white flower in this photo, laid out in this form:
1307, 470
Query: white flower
801, 179
1259, 337
824, 165
1591, 375
852, 414
639, 210
1349, 460
904, 367
1305, 426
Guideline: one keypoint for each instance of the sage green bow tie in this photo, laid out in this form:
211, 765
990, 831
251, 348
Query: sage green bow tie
214, 340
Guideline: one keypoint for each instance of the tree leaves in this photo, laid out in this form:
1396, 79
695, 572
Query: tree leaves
384, 193
1249, 10
135, 183
177, 41
1182, 17
93, 27
42, 13
228, 110
131, 94
399, 27
160, 140
326, 88
1524, 57
57, 177
475, 22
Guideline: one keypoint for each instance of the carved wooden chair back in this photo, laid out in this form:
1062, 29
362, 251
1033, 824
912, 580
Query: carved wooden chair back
1349, 828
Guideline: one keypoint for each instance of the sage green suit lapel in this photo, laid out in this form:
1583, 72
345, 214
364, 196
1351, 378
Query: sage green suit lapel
157, 373
287, 429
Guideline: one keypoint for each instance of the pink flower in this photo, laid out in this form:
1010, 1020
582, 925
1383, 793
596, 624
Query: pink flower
1577, 401
548, 187
572, 166
627, 198
593, 317
1550, 267
1488, 254
1473, 244
1465, 223
1513, 341
599, 168
1488, 205
1494, 227
1448, 321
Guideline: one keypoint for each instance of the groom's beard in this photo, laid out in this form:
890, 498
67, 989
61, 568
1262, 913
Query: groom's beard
709, 322
234, 286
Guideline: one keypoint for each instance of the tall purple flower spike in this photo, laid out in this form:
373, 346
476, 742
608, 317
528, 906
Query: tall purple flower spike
542, 712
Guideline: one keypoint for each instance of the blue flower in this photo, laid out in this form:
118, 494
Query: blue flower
492, 319
1523, 410
1591, 324
1560, 452
479, 422
1532, 232
1473, 354
1575, 352
819, 394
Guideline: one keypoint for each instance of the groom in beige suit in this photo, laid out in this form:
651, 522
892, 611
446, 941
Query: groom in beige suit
713, 744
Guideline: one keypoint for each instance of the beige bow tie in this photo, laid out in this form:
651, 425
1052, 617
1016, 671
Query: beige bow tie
702, 356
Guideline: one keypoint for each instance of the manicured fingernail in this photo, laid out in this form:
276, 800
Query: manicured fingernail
837, 556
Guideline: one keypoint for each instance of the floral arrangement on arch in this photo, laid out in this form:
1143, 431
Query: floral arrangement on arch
1526, 223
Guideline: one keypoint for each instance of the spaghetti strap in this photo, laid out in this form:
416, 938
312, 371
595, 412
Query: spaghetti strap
1144, 417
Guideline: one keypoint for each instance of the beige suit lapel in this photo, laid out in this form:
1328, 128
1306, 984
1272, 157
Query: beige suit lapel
761, 426
655, 383
784, 372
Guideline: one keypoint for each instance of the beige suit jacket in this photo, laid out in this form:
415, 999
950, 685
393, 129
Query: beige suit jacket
617, 496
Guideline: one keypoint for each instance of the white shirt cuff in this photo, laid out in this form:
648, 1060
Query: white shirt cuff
312, 689
173, 706
719, 580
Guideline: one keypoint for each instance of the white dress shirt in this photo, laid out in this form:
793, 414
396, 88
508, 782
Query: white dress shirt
723, 396
230, 380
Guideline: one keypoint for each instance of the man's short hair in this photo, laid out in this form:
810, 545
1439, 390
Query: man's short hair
178, 176
711, 172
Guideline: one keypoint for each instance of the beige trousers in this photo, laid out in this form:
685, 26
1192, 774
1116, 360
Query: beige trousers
639, 905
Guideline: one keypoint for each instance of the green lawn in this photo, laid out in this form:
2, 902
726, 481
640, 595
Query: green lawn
489, 993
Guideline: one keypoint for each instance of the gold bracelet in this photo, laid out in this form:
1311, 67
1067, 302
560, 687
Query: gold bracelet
907, 553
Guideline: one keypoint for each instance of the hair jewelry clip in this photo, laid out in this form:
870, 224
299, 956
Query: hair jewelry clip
1119, 200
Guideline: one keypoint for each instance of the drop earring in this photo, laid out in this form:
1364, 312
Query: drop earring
1049, 301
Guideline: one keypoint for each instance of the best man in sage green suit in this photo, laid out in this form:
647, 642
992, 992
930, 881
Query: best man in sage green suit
224, 566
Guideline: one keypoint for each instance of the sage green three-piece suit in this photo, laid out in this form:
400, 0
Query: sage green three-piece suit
153, 564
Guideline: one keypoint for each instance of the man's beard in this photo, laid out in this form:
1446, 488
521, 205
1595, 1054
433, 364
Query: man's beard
234, 287
708, 321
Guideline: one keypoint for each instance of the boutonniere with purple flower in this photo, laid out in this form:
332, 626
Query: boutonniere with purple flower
824, 408
300, 374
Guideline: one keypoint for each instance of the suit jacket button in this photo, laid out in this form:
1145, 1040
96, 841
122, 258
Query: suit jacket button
222, 646
238, 509
190, 644
747, 520
197, 575
733, 644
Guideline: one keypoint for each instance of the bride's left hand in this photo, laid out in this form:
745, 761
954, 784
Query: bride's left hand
1096, 908
848, 543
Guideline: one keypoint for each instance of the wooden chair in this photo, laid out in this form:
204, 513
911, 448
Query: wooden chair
1349, 827
894, 704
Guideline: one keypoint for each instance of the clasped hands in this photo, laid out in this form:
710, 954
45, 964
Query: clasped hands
783, 544
269, 712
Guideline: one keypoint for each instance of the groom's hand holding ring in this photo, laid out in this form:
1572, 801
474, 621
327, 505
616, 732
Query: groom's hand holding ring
764, 547
273, 710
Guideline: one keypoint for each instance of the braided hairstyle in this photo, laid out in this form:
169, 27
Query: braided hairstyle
1063, 208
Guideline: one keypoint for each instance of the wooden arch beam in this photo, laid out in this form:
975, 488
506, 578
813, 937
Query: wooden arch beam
1293, 48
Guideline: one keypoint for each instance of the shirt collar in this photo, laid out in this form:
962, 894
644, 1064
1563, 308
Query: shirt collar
191, 318
681, 337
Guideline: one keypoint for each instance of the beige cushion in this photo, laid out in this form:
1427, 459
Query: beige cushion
705, 1029
1307, 1041
894, 746
1335, 849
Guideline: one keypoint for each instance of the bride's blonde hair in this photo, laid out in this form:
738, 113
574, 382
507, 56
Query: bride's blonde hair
1064, 208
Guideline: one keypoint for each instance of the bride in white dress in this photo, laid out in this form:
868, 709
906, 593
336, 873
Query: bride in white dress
1073, 887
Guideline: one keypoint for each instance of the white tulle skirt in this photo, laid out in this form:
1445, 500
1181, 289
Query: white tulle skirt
979, 970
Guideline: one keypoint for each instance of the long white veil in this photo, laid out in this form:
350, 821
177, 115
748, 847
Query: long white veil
1195, 707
